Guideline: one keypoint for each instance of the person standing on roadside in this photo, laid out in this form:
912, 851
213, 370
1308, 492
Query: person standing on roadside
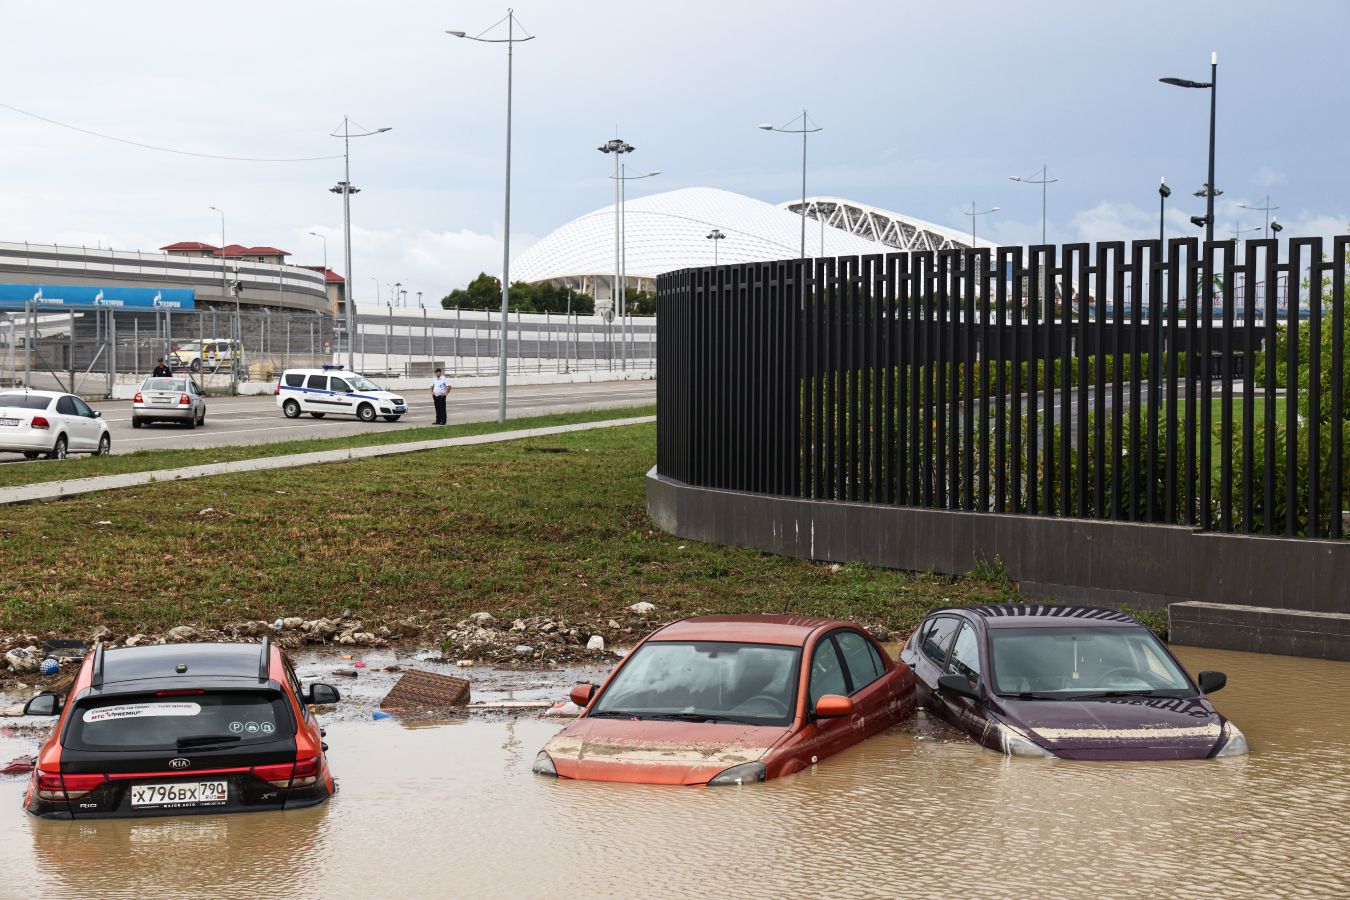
161, 370
439, 388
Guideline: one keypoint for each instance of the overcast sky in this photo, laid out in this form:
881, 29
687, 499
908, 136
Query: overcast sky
925, 107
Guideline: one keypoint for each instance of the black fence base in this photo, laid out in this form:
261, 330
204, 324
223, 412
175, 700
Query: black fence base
1146, 566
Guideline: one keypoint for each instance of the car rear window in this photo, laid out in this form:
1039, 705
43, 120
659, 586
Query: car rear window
155, 722
295, 379
164, 384
24, 401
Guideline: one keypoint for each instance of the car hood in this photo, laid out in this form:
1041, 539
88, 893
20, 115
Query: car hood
654, 752
1119, 728
379, 395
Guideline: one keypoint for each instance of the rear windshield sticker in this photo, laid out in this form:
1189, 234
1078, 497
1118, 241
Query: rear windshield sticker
141, 711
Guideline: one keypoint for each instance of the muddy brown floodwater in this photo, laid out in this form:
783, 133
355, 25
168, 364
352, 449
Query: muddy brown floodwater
450, 809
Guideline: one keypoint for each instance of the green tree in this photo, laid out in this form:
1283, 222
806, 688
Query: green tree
485, 292
640, 303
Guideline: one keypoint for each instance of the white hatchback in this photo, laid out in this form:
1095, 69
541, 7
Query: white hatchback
50, 424
331, 390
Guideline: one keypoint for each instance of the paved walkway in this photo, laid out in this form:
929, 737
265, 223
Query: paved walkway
52, 490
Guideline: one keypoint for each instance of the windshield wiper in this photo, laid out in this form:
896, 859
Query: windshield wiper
612, 714
206, 739
696, 717
1030, 695
1105, 695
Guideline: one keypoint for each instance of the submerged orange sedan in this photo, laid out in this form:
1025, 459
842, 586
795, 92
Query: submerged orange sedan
731, 700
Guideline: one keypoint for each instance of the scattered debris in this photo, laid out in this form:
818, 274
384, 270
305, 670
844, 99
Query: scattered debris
19, 765
595, 643
418, 690
563, 708
642, 607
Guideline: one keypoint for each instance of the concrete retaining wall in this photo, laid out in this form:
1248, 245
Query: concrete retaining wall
1088, 561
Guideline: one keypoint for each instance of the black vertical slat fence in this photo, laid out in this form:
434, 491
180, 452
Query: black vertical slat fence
1173, 384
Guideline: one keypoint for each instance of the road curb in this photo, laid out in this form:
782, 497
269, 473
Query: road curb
55, 490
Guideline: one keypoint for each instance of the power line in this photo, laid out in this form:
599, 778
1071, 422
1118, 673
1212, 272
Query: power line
109, 137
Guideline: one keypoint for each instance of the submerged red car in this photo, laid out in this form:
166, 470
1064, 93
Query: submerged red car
722, 700
177, 729
1075, 682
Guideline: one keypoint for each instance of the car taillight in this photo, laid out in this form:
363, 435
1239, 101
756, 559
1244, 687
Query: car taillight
41, 422
302, 773
184, 399
278, 390
139, 398
66, 786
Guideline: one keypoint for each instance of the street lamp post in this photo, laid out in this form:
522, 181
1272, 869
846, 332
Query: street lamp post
1044, 180
715, 236
1163, 193
397, 296
346, 189
1213, 85
325, 271
618, 147
237, 336
973, 215
510, 41
803, 131
1265, 208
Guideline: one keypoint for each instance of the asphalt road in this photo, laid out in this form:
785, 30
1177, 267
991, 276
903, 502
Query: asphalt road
257, 420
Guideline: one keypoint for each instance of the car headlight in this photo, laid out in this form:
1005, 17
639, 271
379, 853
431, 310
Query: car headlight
543, 765
1016, 743
745, 773
1234, 742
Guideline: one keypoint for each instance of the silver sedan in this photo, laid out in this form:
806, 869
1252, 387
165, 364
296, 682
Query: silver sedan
175, 399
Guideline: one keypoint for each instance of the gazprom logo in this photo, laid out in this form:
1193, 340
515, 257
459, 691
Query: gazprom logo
100, 300
167, 304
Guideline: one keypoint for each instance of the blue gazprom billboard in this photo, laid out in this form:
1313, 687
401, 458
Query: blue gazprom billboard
59, 296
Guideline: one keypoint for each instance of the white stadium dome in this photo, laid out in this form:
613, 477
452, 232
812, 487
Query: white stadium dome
669, 231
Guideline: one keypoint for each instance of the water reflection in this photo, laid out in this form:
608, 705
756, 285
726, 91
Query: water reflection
435, 811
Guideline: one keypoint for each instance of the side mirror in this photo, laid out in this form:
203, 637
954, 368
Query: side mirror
581, 694
322, 695
43, 704
1211, 682
833, 706
97, 414
958, 684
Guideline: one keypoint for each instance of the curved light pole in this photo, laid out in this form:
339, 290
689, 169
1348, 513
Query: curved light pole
1266, 208
715, 236
346, 189
1212, 85
1042, 181
510, 41
803, 131
973, 215
623, 179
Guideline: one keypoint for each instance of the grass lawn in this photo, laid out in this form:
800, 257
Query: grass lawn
148, 460
552, 525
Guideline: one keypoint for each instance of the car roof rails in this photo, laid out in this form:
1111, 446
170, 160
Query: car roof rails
265, 661
96, 679
330, 366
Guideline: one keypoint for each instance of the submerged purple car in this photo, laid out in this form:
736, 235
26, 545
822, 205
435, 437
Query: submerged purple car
1074, 682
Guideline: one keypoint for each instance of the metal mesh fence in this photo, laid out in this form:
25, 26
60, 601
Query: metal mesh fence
92, 351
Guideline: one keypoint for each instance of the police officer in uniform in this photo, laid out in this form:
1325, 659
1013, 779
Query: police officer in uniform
161, 370
439, 388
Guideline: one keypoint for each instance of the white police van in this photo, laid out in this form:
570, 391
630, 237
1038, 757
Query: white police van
320, 392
